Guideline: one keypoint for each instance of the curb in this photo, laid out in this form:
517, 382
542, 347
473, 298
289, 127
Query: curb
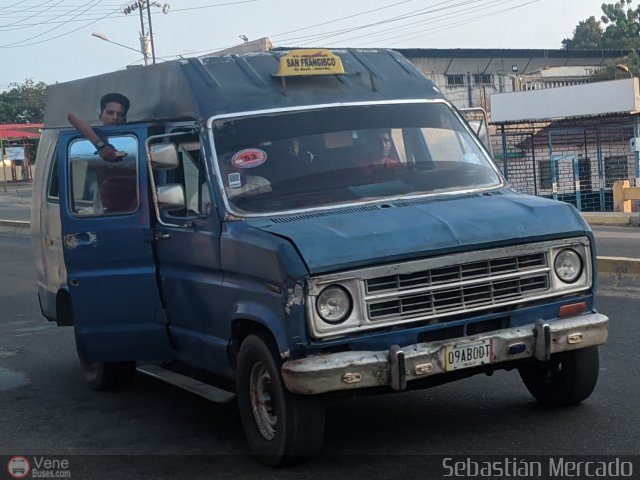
619, 273
17, 227
612, 218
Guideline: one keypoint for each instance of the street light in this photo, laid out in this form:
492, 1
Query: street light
102, 36
623, 68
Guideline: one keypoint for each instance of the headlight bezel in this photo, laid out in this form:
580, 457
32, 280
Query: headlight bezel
346, 311
566, 253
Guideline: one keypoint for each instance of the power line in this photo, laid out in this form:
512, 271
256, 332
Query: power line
213, 6
10, 6
89, 3
434, 20
465, 22
23, 44
414, 13
28, 8
443, 6
340, 19
94, 14
36, 14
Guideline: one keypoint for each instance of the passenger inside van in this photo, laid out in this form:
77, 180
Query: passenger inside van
380, 151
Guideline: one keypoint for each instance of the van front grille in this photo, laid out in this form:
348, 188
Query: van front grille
458, 288
459, 298
456, 273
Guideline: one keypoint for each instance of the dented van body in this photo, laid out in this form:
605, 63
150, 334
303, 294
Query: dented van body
300, 232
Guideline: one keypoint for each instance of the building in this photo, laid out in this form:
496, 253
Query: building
16, 151
570, 143
555, 132
468, 77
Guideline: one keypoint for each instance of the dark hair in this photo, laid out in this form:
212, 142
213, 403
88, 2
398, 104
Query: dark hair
114, 97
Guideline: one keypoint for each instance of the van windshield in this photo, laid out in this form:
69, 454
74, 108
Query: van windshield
314, 158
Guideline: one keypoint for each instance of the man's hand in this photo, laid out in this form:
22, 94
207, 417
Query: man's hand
107, 153
110, 154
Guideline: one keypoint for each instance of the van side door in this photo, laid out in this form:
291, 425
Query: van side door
106, 238
187, 242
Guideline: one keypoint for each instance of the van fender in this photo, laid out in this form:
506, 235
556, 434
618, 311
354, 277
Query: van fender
248, 317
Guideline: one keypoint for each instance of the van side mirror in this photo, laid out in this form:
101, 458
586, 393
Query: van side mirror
164, 156
171, 196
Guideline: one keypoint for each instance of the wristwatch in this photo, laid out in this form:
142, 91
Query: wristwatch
100, 144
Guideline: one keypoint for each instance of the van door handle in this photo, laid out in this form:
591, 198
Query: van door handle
81, 239
161, 235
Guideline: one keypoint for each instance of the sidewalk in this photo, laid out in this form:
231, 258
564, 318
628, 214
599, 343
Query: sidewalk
16, 192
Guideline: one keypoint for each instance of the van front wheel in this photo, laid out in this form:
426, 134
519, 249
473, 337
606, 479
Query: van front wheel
567, 379
105, 375
281, 428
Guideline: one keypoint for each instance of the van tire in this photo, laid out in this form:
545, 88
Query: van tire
281, 428
105, 376
567, 379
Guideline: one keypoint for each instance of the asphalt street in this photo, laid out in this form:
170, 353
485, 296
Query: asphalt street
156, 431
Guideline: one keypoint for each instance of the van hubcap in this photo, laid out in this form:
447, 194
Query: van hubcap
262, 404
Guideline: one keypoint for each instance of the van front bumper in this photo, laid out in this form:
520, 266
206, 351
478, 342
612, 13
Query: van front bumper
397, 366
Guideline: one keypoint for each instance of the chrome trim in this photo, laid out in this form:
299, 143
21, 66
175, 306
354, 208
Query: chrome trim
327, 372
299, 108
355, 282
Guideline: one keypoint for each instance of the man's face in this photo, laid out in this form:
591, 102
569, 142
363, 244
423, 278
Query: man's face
113, 114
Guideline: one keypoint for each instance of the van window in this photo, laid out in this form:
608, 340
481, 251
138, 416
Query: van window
191, 175
103, 188
294, 160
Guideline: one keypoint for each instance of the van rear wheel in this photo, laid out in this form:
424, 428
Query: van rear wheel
281, 428
567, 379
105, 375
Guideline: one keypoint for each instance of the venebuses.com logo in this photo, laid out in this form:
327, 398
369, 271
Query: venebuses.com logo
18, 467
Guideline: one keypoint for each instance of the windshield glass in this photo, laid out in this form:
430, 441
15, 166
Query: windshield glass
314, 158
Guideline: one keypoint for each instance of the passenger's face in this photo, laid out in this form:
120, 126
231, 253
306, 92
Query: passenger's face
113, 114
384, 144
294, 148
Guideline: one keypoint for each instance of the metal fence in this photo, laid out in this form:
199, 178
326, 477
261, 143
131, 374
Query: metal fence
569, 162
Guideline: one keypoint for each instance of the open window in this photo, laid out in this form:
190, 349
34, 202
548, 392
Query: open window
101, 188
186, 171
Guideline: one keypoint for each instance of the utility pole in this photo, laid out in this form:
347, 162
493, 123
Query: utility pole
146, 29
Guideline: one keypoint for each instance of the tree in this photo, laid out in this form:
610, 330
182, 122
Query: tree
611, 72
623, 26
23, 102
587, 35
621, 31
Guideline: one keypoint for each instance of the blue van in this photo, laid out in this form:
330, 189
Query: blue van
290, 226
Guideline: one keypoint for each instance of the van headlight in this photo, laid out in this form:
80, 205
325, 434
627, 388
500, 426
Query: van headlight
334, 304
568, 265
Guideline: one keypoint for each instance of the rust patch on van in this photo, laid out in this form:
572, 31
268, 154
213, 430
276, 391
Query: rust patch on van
295, 296
75, 240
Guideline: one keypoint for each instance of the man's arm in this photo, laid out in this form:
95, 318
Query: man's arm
106, 151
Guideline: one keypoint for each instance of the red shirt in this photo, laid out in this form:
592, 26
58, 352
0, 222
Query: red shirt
387, 162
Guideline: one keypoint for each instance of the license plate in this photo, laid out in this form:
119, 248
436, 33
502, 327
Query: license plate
468, 354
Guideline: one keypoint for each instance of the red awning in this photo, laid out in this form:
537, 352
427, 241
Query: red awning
20, 130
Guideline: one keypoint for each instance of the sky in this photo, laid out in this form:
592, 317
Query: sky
51, 40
